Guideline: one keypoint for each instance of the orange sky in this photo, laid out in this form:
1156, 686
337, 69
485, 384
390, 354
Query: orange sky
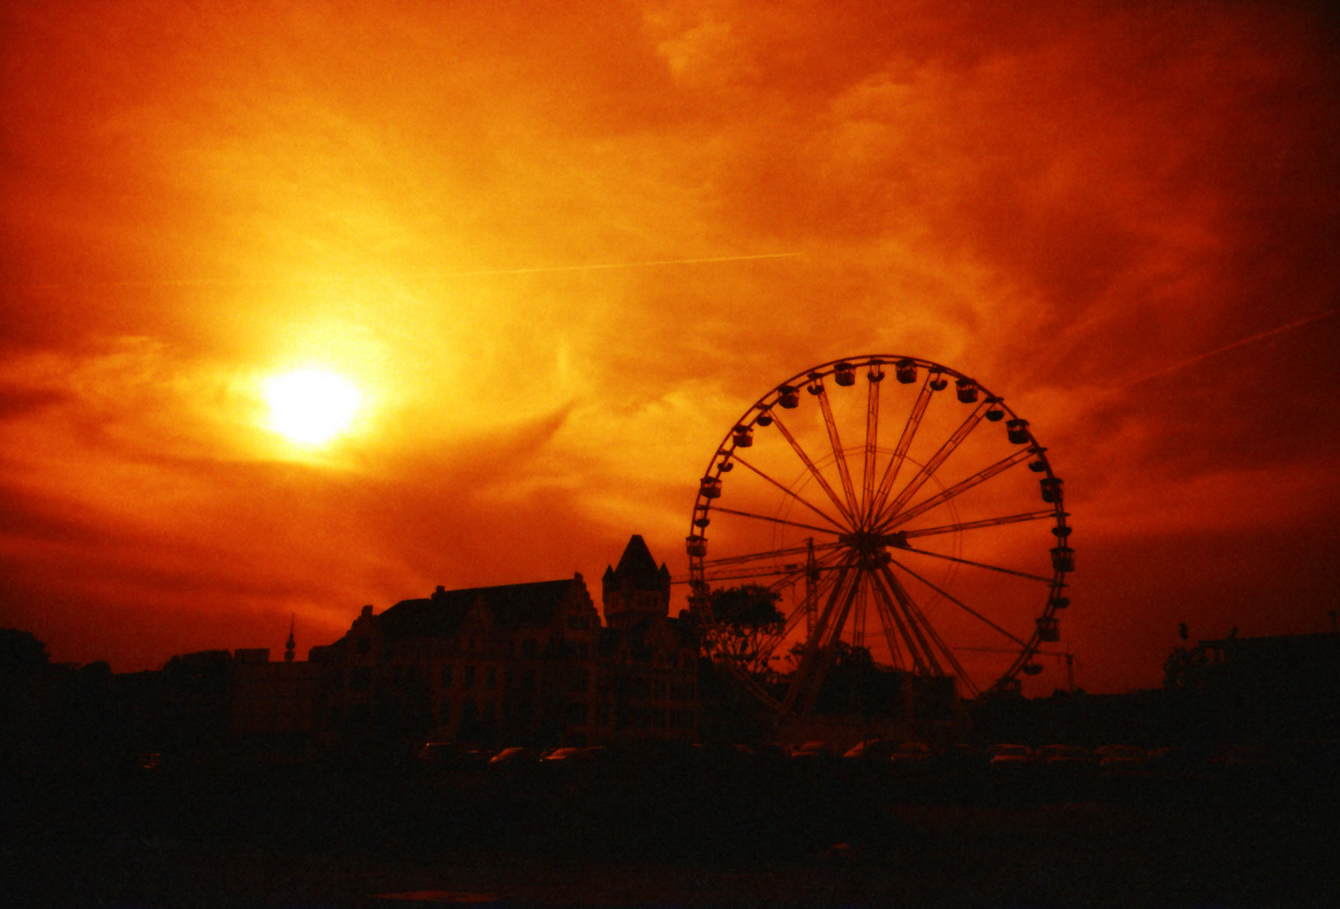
1072, 202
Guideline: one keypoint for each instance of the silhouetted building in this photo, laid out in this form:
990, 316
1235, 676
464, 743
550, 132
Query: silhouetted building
1274, 687
273, 698
519, 663
636, 591
489, 663
649, 661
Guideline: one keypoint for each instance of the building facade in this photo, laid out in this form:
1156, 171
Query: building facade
520, 664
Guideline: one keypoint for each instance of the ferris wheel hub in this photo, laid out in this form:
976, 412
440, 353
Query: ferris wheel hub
864, 505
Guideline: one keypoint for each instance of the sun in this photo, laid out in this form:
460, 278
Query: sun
310, 406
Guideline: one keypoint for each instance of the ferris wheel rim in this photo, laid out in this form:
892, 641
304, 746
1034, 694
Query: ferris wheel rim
872, 525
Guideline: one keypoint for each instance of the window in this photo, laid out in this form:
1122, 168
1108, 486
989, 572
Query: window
491, 677
444, 713
470, 676
446, 675
528, 648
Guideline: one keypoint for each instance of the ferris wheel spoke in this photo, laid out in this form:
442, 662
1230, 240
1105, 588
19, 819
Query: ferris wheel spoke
945, 649
836, 565
886, 622
890, 609
753, 574
901, 607
813, 469
825, 656
763, 517
904, 443
928, 470
961, 605
772, 553
805, 668
820, 578
792, 623
825, 564
957, 489
777, 579
975, 525
814, 508
871, 445
949, 558
751, 684
839, 456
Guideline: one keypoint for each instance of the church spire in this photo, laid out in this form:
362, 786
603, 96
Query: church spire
289, 647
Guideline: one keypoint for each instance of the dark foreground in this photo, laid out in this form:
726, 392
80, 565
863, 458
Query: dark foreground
721, 832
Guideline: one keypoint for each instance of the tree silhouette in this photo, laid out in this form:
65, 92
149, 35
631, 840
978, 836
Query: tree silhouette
20, 650
745, 617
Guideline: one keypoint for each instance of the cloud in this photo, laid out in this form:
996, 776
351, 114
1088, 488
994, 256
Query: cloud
1072, 202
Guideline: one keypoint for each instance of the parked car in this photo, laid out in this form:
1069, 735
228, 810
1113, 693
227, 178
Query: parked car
1010, 755
1173, 760
815, 755
515, 757
451, 756
879, 750
911, 756
561, 755
1063, 757
1119, 757
1248, 756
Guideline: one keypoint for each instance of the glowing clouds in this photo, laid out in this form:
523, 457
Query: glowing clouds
310, 406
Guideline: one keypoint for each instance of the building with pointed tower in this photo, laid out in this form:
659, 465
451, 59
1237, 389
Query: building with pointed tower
520, 664
636, 590
649, 660
272, 698
512, 664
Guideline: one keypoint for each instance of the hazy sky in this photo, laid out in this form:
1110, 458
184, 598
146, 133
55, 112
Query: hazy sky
559, 250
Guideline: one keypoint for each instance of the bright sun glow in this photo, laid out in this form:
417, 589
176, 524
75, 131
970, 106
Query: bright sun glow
310, 406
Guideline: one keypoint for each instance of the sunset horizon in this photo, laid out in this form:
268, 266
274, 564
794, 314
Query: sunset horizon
307, 309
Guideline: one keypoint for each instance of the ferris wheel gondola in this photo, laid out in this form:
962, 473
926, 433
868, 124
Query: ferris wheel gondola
938, 554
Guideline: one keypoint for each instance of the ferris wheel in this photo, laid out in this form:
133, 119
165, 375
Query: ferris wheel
887, 503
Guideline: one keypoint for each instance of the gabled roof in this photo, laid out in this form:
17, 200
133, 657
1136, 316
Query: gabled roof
511, 606
637, 567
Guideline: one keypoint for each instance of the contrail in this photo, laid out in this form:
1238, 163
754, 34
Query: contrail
1227, 347
207, 282
527, 271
